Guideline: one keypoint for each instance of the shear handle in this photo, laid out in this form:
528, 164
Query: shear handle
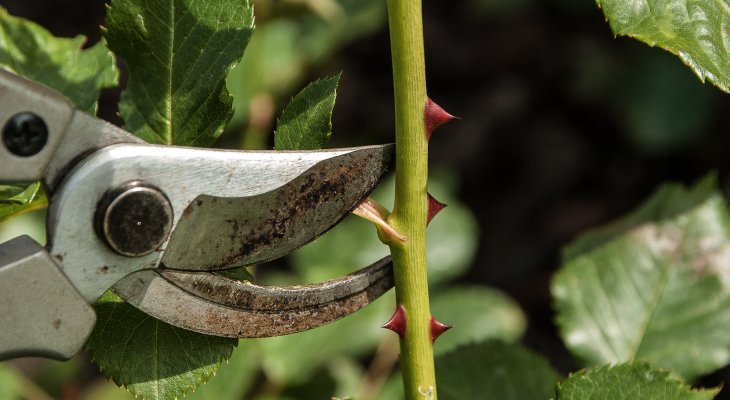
43, 314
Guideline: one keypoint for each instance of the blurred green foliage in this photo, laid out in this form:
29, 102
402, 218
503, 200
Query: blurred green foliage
291, 38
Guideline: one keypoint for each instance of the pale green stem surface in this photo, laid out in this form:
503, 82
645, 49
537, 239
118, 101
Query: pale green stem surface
411, 204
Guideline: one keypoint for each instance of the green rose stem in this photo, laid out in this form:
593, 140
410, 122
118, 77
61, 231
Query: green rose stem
404, 230
409, 216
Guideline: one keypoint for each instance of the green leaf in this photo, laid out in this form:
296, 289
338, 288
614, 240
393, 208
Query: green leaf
631, 381
696, 31
494, 370
659, 291
178, 53
152, 359
27, 49
306, 123
293, 359
477, 313
234, 378
15, 200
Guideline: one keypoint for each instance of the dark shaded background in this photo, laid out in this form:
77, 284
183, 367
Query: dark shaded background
563, 127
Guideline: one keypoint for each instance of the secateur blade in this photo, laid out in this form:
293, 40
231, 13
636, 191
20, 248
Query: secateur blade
212, 304
216, 233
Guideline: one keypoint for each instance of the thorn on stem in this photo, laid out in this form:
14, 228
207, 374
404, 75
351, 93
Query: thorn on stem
434, 207
434, 116
437, 328
398, 322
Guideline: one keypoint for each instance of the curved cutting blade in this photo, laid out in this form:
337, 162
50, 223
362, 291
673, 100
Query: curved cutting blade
216, 233
215, 305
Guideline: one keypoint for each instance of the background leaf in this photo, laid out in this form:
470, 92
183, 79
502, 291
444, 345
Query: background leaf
660, 291
29, 50
178, 53
696, 31
630, 381
306, 123
235, 377
354, 335
494, 370
477, 313
150, 358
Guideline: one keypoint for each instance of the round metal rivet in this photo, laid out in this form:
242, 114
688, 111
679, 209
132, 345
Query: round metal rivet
135, 219
25, 134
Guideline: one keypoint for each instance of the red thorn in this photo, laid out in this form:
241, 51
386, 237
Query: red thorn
398, 322
434, 207
437, 328
434, 116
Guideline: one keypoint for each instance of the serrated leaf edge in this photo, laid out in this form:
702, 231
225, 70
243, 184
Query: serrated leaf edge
665, 373
206, 377
336, 77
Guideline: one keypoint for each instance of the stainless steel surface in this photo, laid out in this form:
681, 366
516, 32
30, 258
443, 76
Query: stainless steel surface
184, 175
216, 305
43, 314
86, 134
21, 95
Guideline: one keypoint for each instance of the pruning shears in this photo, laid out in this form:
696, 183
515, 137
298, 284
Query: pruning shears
152, 223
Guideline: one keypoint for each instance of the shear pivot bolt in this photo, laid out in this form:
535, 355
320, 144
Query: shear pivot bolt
25, 134
134, 219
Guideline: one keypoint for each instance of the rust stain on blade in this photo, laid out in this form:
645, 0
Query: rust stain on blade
245, 295
216, 233
157, 296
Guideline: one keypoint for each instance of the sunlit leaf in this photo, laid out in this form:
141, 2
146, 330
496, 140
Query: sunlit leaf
306, 123
635, 380
696, 31
178, 53
29, 50
152, 359
653, 286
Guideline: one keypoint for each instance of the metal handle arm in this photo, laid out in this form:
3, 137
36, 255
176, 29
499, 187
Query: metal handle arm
42, 313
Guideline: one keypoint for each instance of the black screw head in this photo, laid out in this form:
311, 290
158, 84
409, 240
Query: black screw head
134, 220
25, 134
